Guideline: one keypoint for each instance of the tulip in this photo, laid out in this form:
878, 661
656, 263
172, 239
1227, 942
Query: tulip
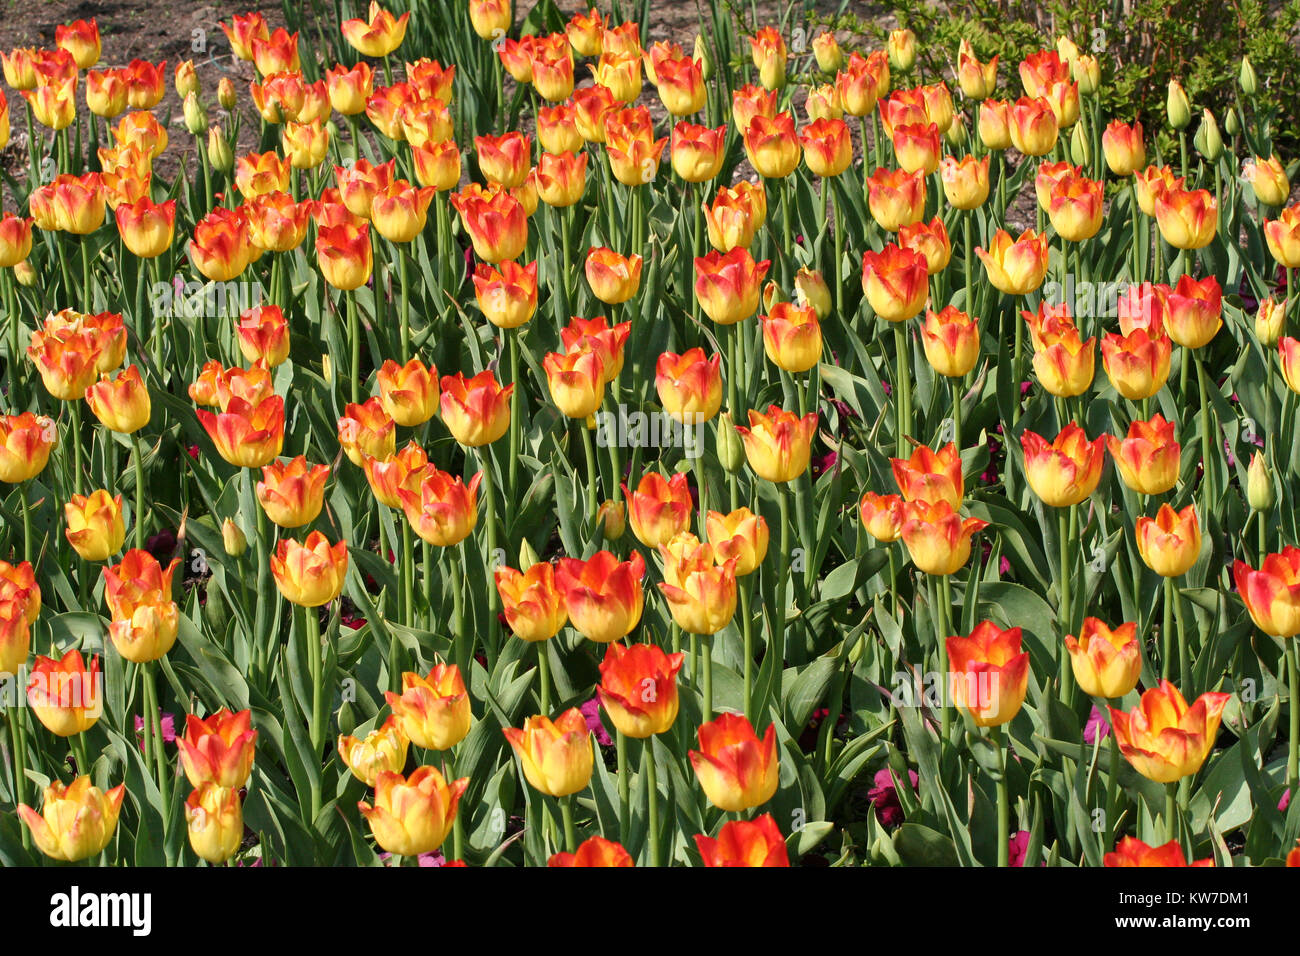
383, 750
741, 535
689, 385
896, 198
1171, 542
220, 249
292, 493
1165, 739
413, 815
603, 596
727, 285
1148, 458
20, 68
735, 769
586, 32
792, 337
1075, 208
931, 477
1282, 235
1189, 220
995, 124
1106, 663
65, 694
576, 381
591, 105
215, 821
594, 851
778, 443
121, 404
275, 222
827, 147
1272, 594
1259, 484
895, 281
931, 241
475, 410
1153, 182
638, 688
937, 538
408, 396
379, 36
533, 603
965, 181
731, 220
858, 87
388, 477
218, 386
1040, 70
552, 76
1063, 98
497, 224
882, 516
95, 528
561, 178
1033, 126
749, 102
242, 30
978, 80
1195, 311
1270, 321
25, 443
54, 104
1066, 471
916, 146
1268, 178
756, 842
15, 634
245, 435
349, 89
659, 508
504, 159
772, 146
701, 595
437, 165
990, 674
951, 341
275, 53
15, 239
680, 82
312, 573
1016, 267
433, 711
620, 73
612, 277
442, 510
1131, 851
76, 821
557, 129
1137, 364
1123, 147
901, 47
556, 756
1289, 354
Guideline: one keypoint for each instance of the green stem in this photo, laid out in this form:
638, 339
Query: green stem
903, 380
777, 648
153, 744
408, 573
1004, 802
747, 625
570, 832
1209, 452
354, 335
405, 302
512, 336
1167, 631
490, 507
652, 784
708, 680
1184, 658
1293, 745
544, 678
624, 788
593, 475
137, 454
317, 727
1171, 803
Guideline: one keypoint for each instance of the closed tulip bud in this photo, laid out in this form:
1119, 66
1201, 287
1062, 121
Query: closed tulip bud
433, 712
1171, 542
1086, 71
1246, 77
219, 152
735, 769
955, 135
95, 528
383, 750
792, 337
442, 510
778, 443
730, 448
312, 573
1208, 142
1270, 321
196, 117
1165, 739
902, 50
557, 757
413, 815
226, 93
638, 688
989, 674
1080, 148
1259, 484
65, 695
76, 821
233, 540
1177, 108
1106, 663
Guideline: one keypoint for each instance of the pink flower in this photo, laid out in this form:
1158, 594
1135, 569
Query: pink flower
168, 722
1018, 846
591, 710
1097, 726
884, 796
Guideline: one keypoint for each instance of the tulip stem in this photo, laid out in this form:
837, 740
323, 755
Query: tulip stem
461, 643
903, 381
1293, 692
652, 802
405, 302
543, 679
747, 624
512, 336
624, 788
1137, 271
78, 745
1184, 658
956, 411
1171, 805
1209, 453
593, 476
1167, 631
708, 679
265, 596
317, 726
1112, 788
839, 246
1004, 802
941, 628
11, 304
18, 750
137, 454
354, 336
408, 574
155, 759
490, 506
777, 647
570, 832
23, 495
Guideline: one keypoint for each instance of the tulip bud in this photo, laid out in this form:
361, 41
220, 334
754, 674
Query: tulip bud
1208, 141
25, 274
527, 555
955, 134
196, 117
611, 518
1231, 123
1259, 484
1270, 321
1177, 107
701, 53
226, 93
233, 539
219, 153
1080, 148
1249, 83
731, 450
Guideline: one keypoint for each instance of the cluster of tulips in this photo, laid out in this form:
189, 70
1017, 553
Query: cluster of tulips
384, 251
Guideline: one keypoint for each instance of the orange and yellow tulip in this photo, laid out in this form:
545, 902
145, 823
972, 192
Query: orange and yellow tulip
556, 756
989, 673
76, 821
95, 528
756, 842
1272, 594
292, 493
638, 688
442, 510
433, 712
312, 573
66, 695
735, 769
604, 596
532, 601
1106, 662
778, 443
1148, 457
1170, 543
1165, 739
413, 815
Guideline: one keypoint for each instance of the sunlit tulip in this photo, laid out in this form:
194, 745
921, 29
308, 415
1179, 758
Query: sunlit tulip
25, 444
701, 594
413, 815
54, 104
442, 510
778, 443
594, 851
1272, 594
1282, 235
732, 219
556, 756
965, 181
275, 222
382, 750
215, 820
772, 146
929, 240
937, 538
1148, 458
437, 165
94, 525
66, 695
689, 385
727, 285
896, 282
121, 404
311, 573
218, 749
292, 493
433, 712
896, 198
1170, 543
534, 605
76, 821
388, 477
220, 249
497, 224
349, 88
475, 410
343, 254
1065, 471
1015, 267
989, 673
67, 359
604, 596
792, 336
1123, 147
681, 87
756, 842
931, 476
145, 619
1130, 851
995, 124
901, 46
15, 239
951, 341
1033, 126
105, 93
1137, 364
827, 147
586, 32
1189, 219
378, 36
735, 769
1165, 739
882, 516
977, 80
638, 688
1106, 662
1268, 178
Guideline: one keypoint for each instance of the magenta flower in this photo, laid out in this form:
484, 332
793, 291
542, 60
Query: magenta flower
591, 710
1097, 726
885, 797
